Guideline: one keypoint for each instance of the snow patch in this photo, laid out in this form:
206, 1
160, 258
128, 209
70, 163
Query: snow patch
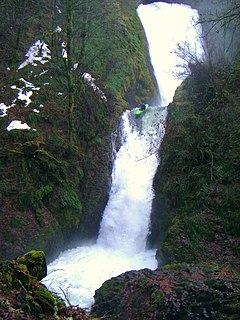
25, 92
38, 52
58, 9
58, 29
90, 81
17, 124
3, 109
64, 51
43, 72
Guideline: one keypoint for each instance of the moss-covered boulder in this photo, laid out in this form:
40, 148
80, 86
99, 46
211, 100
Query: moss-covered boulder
35, 263
23, 297
206, 291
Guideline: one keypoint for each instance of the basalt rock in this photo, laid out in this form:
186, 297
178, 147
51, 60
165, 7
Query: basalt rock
184, 291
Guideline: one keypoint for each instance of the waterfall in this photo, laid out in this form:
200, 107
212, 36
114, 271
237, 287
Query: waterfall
121, 244
127, 215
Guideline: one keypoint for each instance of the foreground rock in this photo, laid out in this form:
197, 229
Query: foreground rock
23, 297
184, 291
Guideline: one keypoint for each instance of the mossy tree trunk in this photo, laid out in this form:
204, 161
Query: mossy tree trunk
69, 65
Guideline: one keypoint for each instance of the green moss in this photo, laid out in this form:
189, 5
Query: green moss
172, 266
45, 299
70, 199
228, 209
236, 248
8, 237
16, 222
35, 263
22, 296
197, 227
37, 165
179, 244
44, 239
157, 298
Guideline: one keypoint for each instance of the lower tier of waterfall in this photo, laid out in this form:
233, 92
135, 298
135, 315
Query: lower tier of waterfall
121, 244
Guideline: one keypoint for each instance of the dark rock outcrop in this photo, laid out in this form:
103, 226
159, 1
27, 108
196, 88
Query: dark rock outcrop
189, 292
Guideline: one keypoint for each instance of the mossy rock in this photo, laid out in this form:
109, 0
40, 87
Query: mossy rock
45, 299
35, 263
23, 297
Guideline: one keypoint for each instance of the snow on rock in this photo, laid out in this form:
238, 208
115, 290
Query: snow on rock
38, 52
25, 92
87, 77
89, 80
64, 51
58, 9
17, 124
58, 29
3, 109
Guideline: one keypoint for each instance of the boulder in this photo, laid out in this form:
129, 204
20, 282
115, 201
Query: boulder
35, 263
182, 291
23, 297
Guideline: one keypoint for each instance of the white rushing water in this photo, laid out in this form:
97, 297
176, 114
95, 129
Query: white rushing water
121, 244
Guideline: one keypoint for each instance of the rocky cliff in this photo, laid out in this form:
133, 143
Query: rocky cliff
67, 72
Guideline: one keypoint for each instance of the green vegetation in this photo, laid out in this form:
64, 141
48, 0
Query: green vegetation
197, 185
199, 174
23, 297
55, 179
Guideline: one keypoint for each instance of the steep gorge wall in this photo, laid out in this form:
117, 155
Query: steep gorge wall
195, 211
55, 179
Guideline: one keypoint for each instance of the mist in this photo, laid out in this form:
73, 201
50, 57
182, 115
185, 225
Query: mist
220, 30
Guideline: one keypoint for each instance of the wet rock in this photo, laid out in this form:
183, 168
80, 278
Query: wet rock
182, 291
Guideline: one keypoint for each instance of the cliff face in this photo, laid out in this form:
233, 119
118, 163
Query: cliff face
67, 72
197, 184
195, 212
